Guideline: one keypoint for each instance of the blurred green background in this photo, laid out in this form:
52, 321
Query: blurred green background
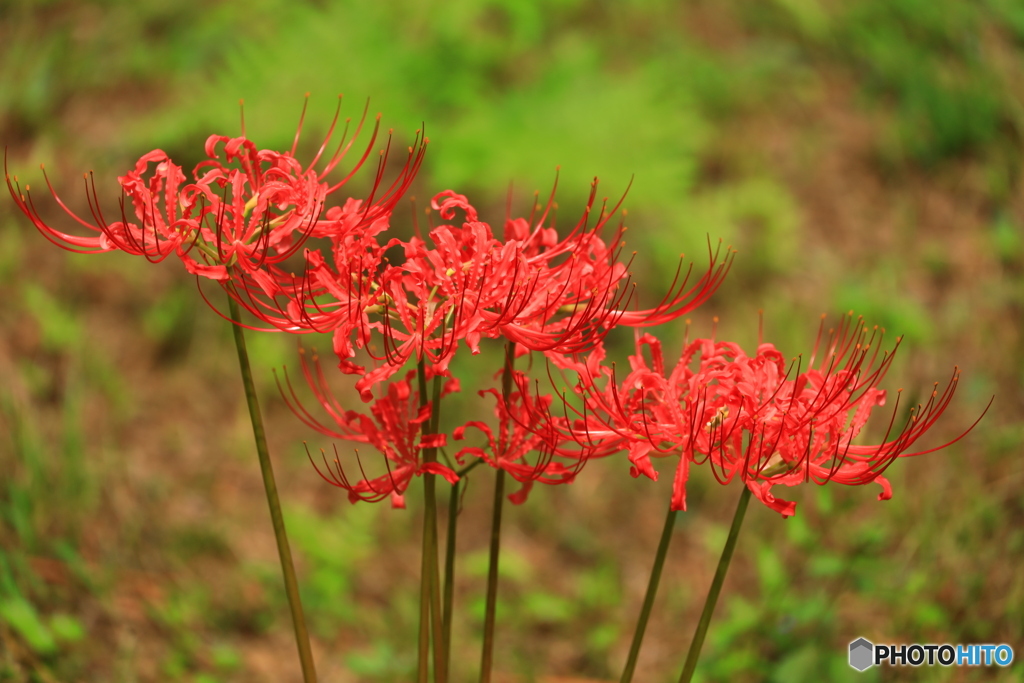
860, 155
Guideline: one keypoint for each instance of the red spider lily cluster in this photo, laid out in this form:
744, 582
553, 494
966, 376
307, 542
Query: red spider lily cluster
245, 218
758, 417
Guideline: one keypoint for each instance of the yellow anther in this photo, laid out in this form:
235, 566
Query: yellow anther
718, 419
251, 204
775, 466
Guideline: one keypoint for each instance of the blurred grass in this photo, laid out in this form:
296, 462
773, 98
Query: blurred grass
861, 155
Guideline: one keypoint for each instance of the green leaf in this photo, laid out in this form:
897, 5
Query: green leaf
57, 324
548, 608
771, 570
802, 665
225, 657
826, 565
67, 628
21, 616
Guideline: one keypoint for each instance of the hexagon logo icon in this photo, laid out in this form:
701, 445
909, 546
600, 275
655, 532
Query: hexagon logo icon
861, 654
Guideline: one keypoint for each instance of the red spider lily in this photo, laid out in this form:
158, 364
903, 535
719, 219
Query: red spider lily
519, 416
393, 428
545, 293
413, 324
370, 294
756, 417
253, 210
170, 214
352, 229
458, 287
323, 300
633, 415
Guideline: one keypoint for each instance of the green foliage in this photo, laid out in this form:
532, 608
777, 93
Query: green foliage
380, 663
476, 75
926, 55
12, 254
225, 657
192, 541
513, 566
872, 297
57, 325
171, 321
111, 48
185, 618
23, 618
271, 354
1007, 237
336, 548
66, 628
933, 65
810, 17
38, 485
758, 217
45, 637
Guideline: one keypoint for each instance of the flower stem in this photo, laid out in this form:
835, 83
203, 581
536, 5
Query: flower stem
449, 570
716, 588
449, 560
487, 655
284, 552
440, 643
430, 600
652, 590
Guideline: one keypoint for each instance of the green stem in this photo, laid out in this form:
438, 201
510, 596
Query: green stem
467, 469
291, 585
449, 571
652, 590
449, 561
440, 644
716, 588
430, 600
423, 669
487, 655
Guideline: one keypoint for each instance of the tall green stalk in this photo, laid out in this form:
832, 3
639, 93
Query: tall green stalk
652, 590
440, 644
449, 591
284, 552
487, 654
430, 594
448, 597
716, 588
